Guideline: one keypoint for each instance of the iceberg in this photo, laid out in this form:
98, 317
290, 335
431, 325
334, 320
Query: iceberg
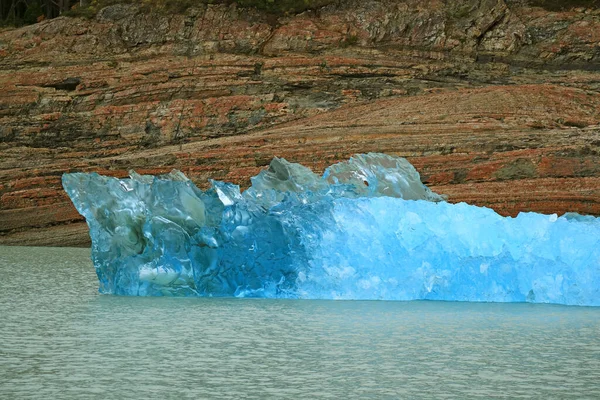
366, 229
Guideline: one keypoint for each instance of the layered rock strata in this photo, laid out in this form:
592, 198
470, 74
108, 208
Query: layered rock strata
495, 102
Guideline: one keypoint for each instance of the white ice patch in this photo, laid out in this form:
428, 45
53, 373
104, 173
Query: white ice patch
160, 275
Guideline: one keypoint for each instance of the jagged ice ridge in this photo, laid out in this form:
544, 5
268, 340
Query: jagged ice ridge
367, 229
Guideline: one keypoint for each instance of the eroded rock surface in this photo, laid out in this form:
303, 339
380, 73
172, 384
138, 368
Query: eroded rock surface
495, 102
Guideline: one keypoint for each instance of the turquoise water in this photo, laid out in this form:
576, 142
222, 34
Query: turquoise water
60, 339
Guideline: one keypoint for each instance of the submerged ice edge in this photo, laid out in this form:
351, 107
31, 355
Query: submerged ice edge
367, 229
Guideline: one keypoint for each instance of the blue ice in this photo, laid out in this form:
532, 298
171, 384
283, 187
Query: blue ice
366, 229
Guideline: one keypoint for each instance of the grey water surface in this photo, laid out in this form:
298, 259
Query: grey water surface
60, 339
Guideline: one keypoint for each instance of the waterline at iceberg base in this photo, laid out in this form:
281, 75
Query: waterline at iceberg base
367, 229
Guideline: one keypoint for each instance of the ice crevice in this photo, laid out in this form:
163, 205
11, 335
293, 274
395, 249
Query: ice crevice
366, 229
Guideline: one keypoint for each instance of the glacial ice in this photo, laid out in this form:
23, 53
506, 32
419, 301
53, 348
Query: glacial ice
367, 229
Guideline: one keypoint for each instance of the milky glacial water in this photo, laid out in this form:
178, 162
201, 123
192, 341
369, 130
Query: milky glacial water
60, 339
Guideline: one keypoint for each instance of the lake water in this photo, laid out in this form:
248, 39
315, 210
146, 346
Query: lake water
60, 339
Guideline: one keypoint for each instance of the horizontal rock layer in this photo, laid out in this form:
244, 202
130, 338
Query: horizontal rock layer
496, 103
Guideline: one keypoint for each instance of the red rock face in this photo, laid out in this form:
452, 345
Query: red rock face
495, 103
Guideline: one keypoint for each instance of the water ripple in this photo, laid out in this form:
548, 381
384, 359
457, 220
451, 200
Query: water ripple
60, 339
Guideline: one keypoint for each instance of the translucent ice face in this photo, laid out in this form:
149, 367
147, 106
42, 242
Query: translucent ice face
367, 229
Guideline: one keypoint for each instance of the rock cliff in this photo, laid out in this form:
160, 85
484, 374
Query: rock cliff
495, 102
